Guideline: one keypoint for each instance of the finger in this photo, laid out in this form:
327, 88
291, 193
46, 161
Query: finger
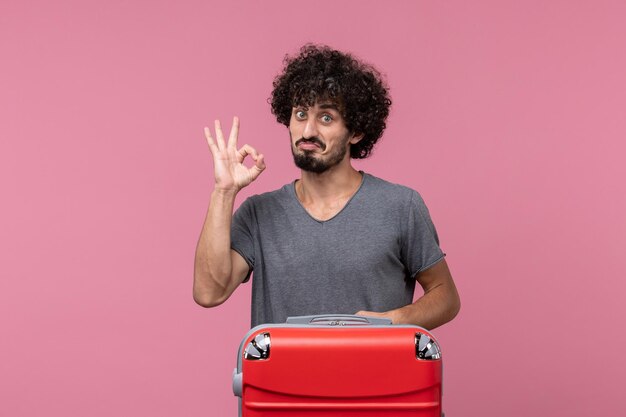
219, 135
234, 133
257, 168
260, 162
246, 150
209, 139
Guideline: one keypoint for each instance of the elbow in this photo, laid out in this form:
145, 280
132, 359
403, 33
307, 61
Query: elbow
455, 306
207, 300
208, 296
455, 310
207, 290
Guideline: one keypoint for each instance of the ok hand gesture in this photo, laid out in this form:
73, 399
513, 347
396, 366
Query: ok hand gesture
230, 172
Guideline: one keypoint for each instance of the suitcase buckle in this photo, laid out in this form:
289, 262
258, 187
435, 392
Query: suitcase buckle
258, 348
426, 348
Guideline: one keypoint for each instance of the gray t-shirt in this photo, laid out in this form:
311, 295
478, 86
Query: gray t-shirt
364, 258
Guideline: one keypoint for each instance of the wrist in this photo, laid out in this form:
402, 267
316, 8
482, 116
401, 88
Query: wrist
225, 192
398, 316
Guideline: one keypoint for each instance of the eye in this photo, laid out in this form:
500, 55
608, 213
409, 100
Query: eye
327, 118
300, 114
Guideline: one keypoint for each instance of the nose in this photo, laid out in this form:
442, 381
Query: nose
310, 129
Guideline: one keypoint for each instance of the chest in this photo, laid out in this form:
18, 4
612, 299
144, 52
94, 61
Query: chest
341, 242
325, 211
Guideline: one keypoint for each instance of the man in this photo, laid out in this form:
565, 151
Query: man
337, 240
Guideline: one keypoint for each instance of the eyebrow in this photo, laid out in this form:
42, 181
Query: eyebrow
329, 106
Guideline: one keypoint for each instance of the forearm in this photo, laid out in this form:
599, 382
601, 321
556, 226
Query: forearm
437, 306
213, 265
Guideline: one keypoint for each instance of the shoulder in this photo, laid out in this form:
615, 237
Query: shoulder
390, 191
269, 200
394, 198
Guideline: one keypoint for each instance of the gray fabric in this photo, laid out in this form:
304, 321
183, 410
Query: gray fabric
364, 258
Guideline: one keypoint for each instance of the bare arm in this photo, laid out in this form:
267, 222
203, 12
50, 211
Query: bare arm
439, 304
218, 269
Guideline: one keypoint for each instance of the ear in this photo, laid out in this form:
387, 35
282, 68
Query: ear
356, 138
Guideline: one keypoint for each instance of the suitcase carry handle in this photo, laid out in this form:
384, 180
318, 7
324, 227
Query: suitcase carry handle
338, 320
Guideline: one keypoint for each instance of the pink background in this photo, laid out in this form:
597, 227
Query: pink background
508, 117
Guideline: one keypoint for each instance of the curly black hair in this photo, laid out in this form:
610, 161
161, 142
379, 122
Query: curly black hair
320, 73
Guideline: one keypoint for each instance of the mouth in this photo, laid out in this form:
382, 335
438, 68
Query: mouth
310, 144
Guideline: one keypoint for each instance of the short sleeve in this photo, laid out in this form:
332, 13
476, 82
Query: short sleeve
242, 233
420, 241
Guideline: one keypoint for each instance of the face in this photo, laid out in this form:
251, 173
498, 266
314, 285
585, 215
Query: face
320, 139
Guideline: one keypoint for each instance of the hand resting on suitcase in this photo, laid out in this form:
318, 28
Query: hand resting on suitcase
439, 304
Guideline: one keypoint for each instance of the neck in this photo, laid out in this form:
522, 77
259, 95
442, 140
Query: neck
337, 182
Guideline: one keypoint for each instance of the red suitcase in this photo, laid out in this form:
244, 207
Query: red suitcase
338, 365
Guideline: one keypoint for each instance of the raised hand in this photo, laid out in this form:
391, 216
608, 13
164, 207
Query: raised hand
230, 172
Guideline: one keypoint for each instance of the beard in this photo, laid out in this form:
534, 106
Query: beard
307, 161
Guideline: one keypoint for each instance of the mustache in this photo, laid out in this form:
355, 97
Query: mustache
315, 140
